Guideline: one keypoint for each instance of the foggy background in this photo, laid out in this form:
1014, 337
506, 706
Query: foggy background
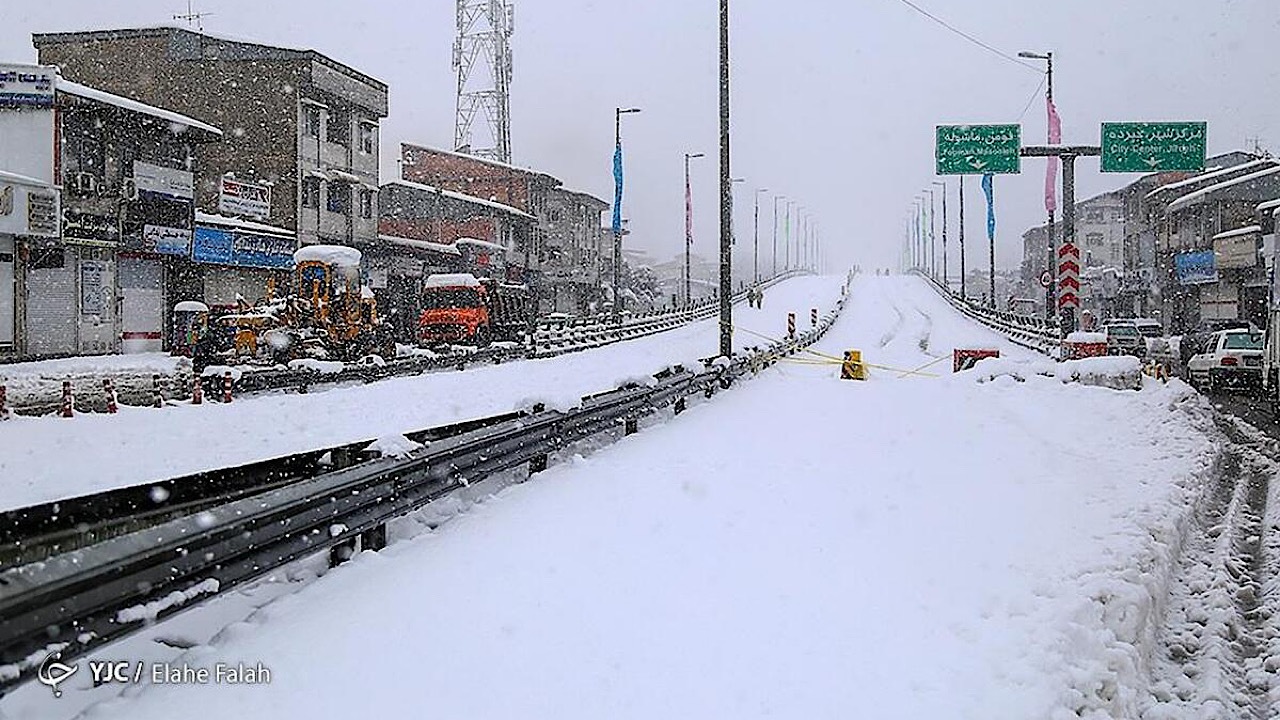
835, 101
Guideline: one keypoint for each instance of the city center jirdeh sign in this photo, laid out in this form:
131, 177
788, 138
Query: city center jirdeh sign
1153, 147
978, 149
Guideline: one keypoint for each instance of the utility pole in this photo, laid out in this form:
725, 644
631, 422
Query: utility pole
933, 239
688, 227
726, 194
1070, 252
617, 210
755, 242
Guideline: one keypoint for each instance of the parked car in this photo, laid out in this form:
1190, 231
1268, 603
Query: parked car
1123, 338
1197, 340
1233, 357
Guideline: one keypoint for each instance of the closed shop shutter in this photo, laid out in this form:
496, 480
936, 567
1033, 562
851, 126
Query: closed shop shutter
141, 304
6, 291
52, 305
223, 285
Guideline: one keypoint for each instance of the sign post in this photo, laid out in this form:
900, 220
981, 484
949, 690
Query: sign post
1153, 146
978, 149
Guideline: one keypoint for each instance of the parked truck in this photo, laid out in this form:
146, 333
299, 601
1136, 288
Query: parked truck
459, 308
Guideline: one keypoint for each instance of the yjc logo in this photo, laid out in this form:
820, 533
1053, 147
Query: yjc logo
54, 672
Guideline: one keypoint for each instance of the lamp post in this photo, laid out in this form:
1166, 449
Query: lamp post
932, 237
1051, 291
774, 262
786, 240
963, 296
726, 194
945, 283
755, 240
918, 232
617, 209
688, 226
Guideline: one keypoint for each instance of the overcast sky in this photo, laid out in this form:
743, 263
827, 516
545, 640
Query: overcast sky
835, 101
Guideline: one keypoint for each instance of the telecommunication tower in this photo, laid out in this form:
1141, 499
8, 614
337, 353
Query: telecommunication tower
482, 57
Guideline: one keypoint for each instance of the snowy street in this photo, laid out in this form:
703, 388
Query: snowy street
991, 544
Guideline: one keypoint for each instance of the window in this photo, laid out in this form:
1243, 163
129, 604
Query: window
366, 138
311, 120
366, 203
338, 129
311, 192
339, 198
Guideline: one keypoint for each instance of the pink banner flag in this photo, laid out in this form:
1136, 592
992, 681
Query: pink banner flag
1051, 172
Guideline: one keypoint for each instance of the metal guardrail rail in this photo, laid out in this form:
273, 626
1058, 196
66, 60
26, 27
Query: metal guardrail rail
77, 601
1029, 331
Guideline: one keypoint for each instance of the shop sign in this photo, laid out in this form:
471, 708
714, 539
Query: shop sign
228, 247
162, 180
166, 240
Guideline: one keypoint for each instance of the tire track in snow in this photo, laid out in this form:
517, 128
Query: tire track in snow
1217, 648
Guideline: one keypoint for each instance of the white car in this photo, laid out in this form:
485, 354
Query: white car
1234, 357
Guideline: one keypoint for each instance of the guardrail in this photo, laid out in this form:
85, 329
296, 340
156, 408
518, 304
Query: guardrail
77, 601
1029, 331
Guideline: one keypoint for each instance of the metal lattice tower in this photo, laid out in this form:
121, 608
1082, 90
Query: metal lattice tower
482, 57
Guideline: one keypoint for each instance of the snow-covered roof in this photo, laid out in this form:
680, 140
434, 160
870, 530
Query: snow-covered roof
480, 244
1268, 205
1238, 232
338, 255
102, 96
191, 306
1211, 174
1193, 197
23, 179
421, 244
463, 197
204, 218
484, 161
451, 280
344, 176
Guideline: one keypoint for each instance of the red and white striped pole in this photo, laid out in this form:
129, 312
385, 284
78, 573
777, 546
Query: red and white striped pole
197, 390
68, 401
791, 326
226, 387
109, 389
4, 411
157, 397
813, 317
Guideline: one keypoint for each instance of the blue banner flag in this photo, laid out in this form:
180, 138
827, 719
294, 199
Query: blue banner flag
991, 206
617, 189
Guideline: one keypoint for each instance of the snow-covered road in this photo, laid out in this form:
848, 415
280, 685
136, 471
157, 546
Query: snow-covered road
801, 547
48, 458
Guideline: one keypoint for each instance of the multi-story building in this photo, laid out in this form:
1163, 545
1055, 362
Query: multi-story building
557, 255
103, 281
300, 152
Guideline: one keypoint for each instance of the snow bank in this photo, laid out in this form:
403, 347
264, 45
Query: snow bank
324, 367
394, 446
1081, 336
441, 280
1120, 372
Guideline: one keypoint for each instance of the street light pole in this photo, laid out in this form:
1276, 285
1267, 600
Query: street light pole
617, 226
946, 283
755, 241
774, 263
726, 194
933, 245
963, 296
1051, 291
688, 226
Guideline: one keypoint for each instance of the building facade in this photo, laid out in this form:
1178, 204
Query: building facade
300, 152
102, 280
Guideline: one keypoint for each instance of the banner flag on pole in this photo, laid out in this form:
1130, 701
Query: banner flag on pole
991, 208
617, 189
1051, 172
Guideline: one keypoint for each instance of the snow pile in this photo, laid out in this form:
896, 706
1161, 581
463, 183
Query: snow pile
1119, 372
446, 280
324, 367
336, 255
150, 610
1080, 336
394, 446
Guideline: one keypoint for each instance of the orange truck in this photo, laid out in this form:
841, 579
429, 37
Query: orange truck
459, 308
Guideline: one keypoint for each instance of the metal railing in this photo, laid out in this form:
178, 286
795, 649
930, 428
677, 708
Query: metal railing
1029, 331
74, 602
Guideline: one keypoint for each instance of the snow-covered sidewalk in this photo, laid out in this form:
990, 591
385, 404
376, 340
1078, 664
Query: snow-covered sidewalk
976, 546
49, 458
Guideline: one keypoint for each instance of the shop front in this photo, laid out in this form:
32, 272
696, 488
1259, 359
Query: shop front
241, 263
28, 217
157, 239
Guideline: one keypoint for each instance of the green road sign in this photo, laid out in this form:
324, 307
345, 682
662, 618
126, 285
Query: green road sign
1153, 147
978, 149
